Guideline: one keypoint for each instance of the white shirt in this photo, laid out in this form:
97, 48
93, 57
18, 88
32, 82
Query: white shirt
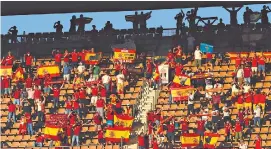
225, 113
246, 88
106, 79
190, 99
30, 94
81, 68
234, 89
257, 112
240, 73
243, 146
39, 105
91, 78
120, 78
197, 54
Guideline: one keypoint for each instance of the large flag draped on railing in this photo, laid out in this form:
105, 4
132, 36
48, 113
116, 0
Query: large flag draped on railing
124, 120
117, 133
182, 93
54, 123
124, 55
233, 55
53, 70
210, 139
5, 70
190, 139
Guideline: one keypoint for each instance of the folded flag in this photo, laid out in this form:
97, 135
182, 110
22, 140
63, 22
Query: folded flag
210, 139
53, 70
124, 120
6, 70
117, 133
182, 93
190, 139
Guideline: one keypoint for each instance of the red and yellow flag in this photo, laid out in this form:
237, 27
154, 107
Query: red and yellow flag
124, 120
53, 70
5, 70
93, 58
182, 93
190, 139
117, 133
124, 55
177, 80
54, 124
210, 139
18, 75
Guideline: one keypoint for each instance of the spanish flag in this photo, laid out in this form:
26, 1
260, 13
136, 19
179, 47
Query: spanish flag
190, 139
93, 58
18, 75
124, 120
156, 75
177, 80
51, 132
117, 133
5, 70
210, 139
53, 70
182, 93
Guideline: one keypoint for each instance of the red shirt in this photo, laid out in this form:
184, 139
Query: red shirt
74, 56
37, 81
28, 83
170, 56
75, 105
66, 57
178, 70
238, 127
118, 104
150, 128
72, 119
240, 100
155, 145
100, 135
82, 94
94, 91
28, 118
82, 55
125, 71
56, 92
227, 128
77, 130
103, 92
184, 125
254, 62
76, 95
248, 98
209, 55
262, 98
69, 130
110, 115
170, 128
68, 105
149, 68
100, 103
17, 94
258, 143
28, 60
58, 57
117, 66
6, 82
9, 60
247, 72
256, 98
97, 119
40, 139
238, 62
141, 141
200, 125
261, 61
12, 108
246, 120
37, 94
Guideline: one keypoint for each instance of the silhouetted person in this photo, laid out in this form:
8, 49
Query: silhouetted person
139, 21
264, 12
94, 31
179, 18
13, 31
233, 15
81, 24
58, 27
108, 26
220, 25
73, 25
191, 17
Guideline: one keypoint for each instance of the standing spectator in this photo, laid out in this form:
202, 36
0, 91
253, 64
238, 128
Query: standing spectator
242, 145
13, 31
141, 141
11, 111
200, 127
8, 60
16, 96
197, 57
247, 74
96, 72
98, 121
257, 116
74, 55
190, 109
238, 131
228, 128
66, 57
110, 118
120, 82
264, 16
66, 73
69, 132
94, 97
56, 94
240, 75
57, 55
100, 107
106, 81
216, 98
240, 102
184, 125
258, 142
30, 97
29, 124
82, 56
28, 62
171, 132
76, 132
101, 139
261, 65
68, 105
28, 82
81, 69
254, 64
155, 144
22, 127
6, 85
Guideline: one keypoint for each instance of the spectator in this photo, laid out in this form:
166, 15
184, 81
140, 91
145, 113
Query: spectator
66, 73
101, 139
261, 65
233, 15
41, 109
98, 120
110, 118
30, 97
81, 69
247, 74
57, 55
13, 31
258, 142
254, 64
11, 111
8, 60
242, 145
141, 142
74, 60
200, 127
228, 128
66, 57
56, 94
257, 116
190, 109
29, 124
120, 82
16, 96
73, 24
39, 140
96, 72
76, 132
197, 57
58, 26
106, 81
100, 107
264, 15
22, 126
28, 62
238, 131
6, 85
